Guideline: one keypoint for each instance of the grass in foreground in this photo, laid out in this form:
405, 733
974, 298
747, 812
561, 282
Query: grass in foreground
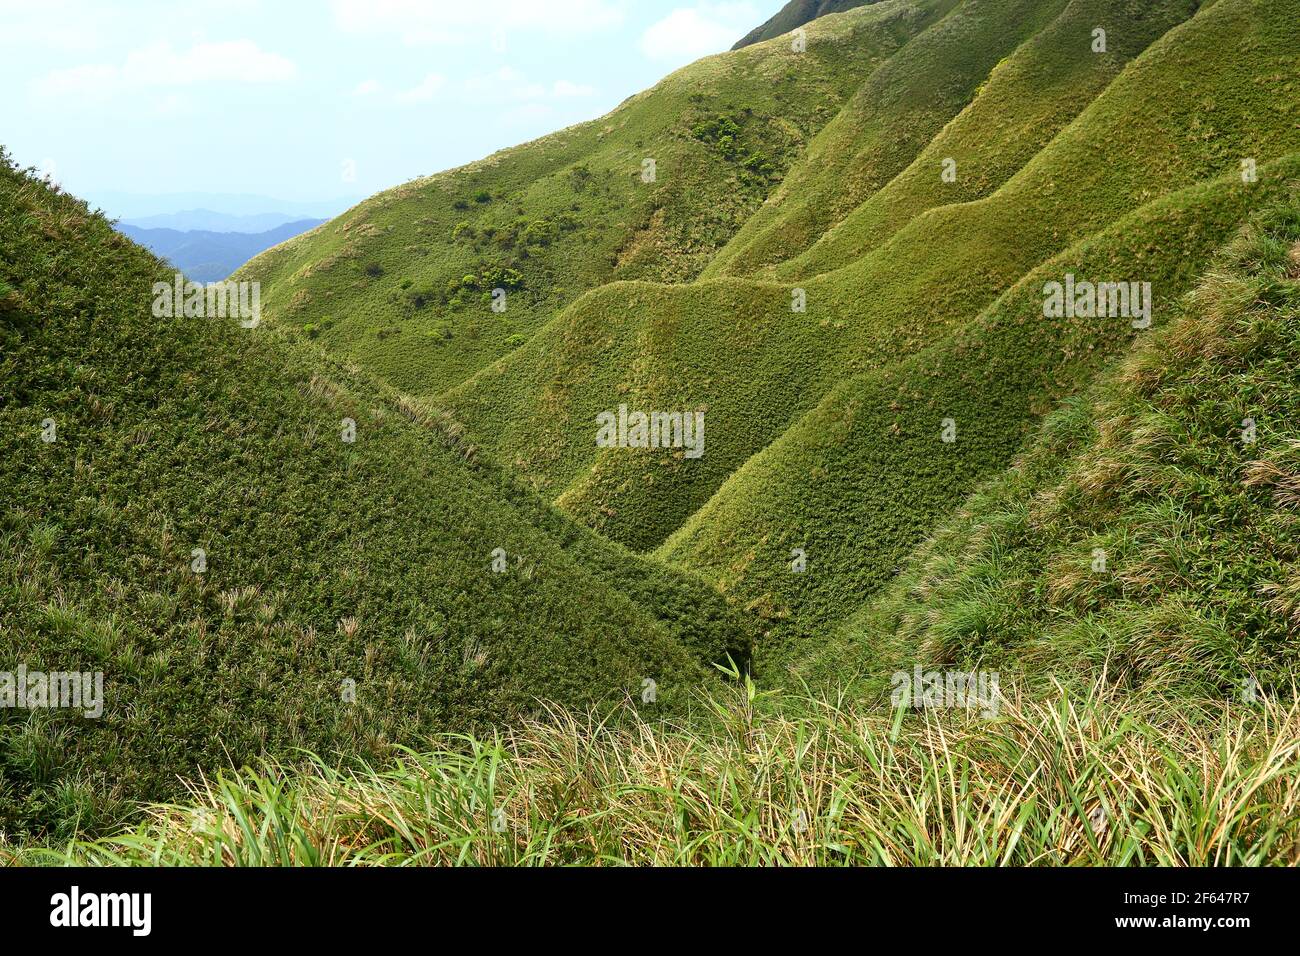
1092, 778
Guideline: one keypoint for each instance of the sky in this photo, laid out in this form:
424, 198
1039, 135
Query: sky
311, 100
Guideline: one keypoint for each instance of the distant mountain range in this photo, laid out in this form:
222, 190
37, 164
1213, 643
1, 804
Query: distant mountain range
207, 220
209, 255
134, 207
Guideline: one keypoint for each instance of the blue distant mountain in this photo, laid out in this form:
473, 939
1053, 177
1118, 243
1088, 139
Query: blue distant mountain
209, 256
207, 220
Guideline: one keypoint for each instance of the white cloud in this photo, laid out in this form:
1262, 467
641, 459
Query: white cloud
528, 115
173, 104
689, 33
87, 80
159, 65
422, 22
563, 89
426, 90
367, 88
506, 83
241, 61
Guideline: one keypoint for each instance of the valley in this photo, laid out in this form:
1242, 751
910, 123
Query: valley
992, 310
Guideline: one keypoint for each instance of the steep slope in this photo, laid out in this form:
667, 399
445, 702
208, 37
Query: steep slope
1208, 95
1072, 187
403, 283
736, 349
795, 14
346, 595
857, 482
1008, 112
1150, 529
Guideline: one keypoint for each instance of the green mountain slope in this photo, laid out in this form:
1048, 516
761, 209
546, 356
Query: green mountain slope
1181, 753
403, 283
857, 483
1151, 527
1009, 110
1071, 187
325, 562
795, 14
908, 456
734, 348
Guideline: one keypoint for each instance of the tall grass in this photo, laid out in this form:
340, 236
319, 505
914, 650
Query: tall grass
1094, 778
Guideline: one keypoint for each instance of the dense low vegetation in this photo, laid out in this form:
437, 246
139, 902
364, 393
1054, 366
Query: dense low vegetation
840, 256
1152, 526
324, 561
1095, 778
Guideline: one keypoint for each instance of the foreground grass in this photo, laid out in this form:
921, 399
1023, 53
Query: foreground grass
1091, 778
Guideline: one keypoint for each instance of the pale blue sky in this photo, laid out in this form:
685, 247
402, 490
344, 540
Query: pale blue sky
283, 98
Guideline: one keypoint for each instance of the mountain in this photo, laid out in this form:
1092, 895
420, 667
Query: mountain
983, 313
125, 206
210, 256
1149, 525
795, 14
1010, 90
205, 220
652, 192
1088, 768
261, 549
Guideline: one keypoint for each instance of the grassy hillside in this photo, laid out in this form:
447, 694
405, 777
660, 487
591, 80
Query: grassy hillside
1125, 734
734, 347
1161, 760
1009, 110
795, 14
326, 561
857, 482
900, 108
403, 283
1095, 779
908, 459
1151, 527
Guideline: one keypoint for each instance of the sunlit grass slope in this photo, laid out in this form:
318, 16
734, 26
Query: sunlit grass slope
326, 561
860, 480
900, 107
1212, 92
795, 14
1152, 527
403, 282
1016, 110
735, 349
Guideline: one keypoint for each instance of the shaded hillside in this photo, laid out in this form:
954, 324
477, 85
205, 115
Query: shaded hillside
347, 594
